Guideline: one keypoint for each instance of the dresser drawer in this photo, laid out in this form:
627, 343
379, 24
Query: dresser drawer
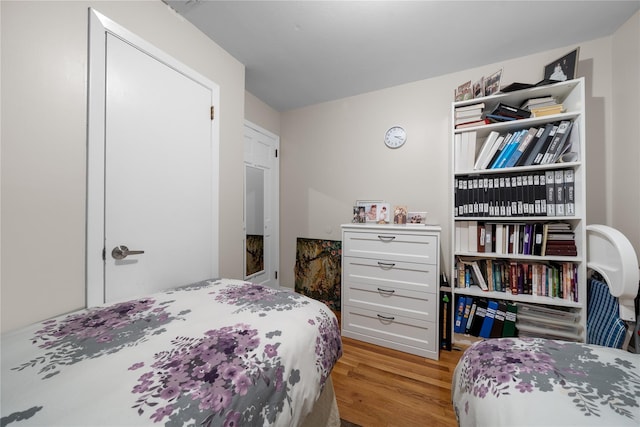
385, 273
389, 329
416, 305
389, 245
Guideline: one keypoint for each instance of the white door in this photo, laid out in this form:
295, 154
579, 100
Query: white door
160, 175
261, 207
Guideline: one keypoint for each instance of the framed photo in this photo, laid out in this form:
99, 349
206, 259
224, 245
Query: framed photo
384, 213
564, 68
492, 83
463, 92
478, 88
416, 218
370, 209
399, 214
359, 215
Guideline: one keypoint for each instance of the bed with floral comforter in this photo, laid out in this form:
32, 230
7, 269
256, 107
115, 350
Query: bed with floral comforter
215, 353
537, 382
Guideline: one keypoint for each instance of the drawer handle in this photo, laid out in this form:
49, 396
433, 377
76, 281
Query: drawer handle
386, 238
386, 265
388, 318
386, 291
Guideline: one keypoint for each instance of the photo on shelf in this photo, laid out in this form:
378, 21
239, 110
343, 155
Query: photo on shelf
492, 83
478, 88
359, 215
416, 218
370, 209
564, 68
464, 92
400, 214
384, 213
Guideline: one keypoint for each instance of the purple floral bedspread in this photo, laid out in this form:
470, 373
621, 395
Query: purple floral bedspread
215, 353
537, 382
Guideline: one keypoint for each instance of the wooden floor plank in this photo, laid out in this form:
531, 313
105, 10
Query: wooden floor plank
381, 387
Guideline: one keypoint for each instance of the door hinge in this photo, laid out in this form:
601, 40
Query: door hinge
104, 254
276, 153
276, 274
213, 112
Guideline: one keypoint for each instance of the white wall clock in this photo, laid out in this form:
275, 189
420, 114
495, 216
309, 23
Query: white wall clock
395, 137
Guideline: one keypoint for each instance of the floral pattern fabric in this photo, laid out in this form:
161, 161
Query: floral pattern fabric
214, 353
533, 381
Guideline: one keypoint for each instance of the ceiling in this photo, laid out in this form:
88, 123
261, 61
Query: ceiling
299, 53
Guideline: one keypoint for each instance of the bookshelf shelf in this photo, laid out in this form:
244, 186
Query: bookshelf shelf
520, 211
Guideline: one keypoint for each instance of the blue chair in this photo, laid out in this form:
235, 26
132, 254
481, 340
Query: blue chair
604, 326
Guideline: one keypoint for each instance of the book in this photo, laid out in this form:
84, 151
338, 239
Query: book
547, 111
477, 106
569, 192
468, 302
509, 327
494, 148
486, 149
478, 318
522, 147
496, 118
559, 192
472, 313
538, 102
507, 150
480, 122
538, 230
557, 142
551, 193
506, 110
498, 321
537, 145
457, 325
487, 324
469, 112
468, 119
504, 141
543, 149
457, 150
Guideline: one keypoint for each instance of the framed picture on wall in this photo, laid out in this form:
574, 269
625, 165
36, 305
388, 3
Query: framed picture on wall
370, 209
564, 68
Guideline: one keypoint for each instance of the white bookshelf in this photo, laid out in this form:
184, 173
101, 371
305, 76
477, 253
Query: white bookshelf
572, 95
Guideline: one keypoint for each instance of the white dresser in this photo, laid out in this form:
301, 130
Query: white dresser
390, 286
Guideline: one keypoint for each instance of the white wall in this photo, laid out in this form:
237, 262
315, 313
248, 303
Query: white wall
44, 101
625, 170
259, 113
333, 153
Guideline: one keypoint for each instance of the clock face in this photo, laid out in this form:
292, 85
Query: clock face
395, 137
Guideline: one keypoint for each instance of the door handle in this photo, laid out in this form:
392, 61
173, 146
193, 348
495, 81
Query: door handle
121, 252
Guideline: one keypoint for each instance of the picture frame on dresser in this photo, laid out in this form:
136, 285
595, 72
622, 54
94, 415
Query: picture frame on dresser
371, 209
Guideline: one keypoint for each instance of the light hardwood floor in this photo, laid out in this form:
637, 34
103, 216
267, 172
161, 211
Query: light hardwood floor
377, 386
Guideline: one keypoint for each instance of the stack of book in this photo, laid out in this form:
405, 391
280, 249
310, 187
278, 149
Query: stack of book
548, 322
470, 116
504, 112
543, 106
484, 318
559, 240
